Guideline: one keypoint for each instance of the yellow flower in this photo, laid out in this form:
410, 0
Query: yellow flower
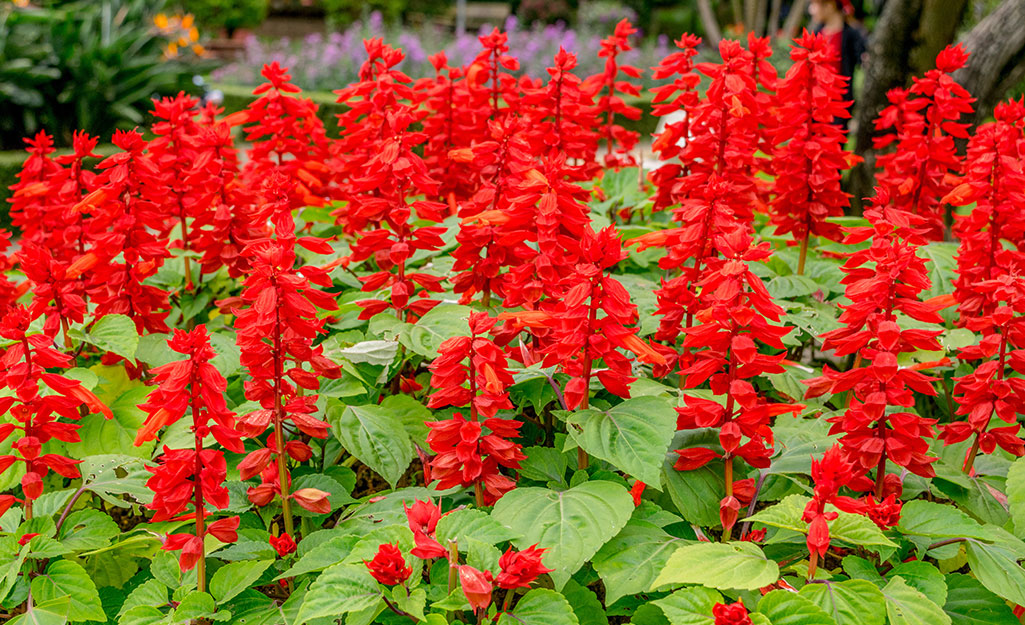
193, 34
21, 4
172, 50
182, 41
187, 21
160, 21
198, 49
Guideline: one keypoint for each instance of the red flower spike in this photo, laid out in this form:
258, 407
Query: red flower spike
36, 415
810, 159
619, 142
722, 350
916, 177
275, 333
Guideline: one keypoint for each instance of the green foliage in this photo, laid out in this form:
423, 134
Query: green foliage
227, 15
91, 64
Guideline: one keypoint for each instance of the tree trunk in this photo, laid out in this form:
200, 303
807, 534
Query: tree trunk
774, 11
936, 29
997, 61
794, 19
887, 67
759, 23
711, 25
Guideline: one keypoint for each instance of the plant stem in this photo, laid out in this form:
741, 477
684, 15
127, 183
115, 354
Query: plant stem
969, 460
453, 572
279, 426
200, 507
478, 494
881, 467
803, 254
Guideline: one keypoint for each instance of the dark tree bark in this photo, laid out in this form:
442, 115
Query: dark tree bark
888, 65
711, 25
797, 13
997, 61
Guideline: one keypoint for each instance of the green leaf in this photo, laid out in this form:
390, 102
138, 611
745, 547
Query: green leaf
53, 612
853, 602
111, 475
196, 605
935, 520
786, 514
572, 525
630, 562
380, 353
327, 554
740, 565
690, 606
101, 435
150, 593
231, 579
784, 607
436, 326
998, 570
544, 464
696, 493
65, 578
786, 287
113, 333
412, 602
374, 435
969, 603
633, 436
859, 530
540, 607
907, 606
340, 589
923, 577
459, 525
1016, 495
585, 604
87, 529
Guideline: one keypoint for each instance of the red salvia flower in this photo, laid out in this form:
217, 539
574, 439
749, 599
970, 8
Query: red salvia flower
562, 117
987, 390
519, 569
36, 415
993, 180
916, 176
283, 545
730, 614
423, 517
480, 383
469, 453
677, 97
477, 586
619, 142
388, 566
195, 476
810, 159
129, 218
286, 137
737, 314
275, 334
590, 323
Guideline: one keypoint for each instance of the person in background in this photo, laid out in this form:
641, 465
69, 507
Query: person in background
833, 19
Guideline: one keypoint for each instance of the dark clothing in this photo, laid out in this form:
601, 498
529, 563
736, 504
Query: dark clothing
852, 48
